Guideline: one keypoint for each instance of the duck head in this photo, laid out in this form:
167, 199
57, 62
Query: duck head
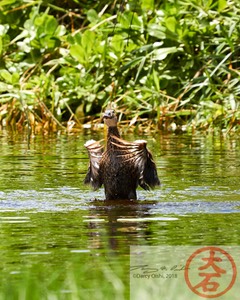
109, 118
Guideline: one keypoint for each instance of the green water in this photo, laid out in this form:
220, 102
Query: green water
60, 240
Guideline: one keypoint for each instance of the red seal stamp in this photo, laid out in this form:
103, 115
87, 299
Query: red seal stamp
210, 272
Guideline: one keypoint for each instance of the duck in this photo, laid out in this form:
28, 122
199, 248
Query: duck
122, 166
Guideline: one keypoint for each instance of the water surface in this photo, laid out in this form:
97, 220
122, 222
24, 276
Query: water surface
61, 239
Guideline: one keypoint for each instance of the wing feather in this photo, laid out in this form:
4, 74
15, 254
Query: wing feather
137, 153
95, 150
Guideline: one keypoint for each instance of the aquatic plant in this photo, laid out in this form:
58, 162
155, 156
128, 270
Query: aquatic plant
171, 63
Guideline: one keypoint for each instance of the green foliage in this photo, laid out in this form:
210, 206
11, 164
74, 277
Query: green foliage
175, 62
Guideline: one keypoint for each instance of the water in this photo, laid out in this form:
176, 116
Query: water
59, 239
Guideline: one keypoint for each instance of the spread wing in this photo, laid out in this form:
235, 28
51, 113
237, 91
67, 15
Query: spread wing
95, 151
136, 153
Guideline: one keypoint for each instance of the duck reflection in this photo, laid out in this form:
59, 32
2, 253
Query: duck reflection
118, 224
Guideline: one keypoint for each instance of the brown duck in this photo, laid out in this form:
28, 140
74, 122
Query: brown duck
122, 166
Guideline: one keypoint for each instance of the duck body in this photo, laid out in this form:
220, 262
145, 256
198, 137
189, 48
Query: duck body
122, 166
114, 174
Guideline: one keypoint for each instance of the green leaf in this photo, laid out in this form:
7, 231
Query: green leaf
88, 41
92, 16
15, 78
171, 23
6, 76
157, 31
77, 39
147, 5
4, 87
162, 53
7, 2
51, 25
1, 45
222, 4
60, 31
156, 80
78, 53
130, 20
3, 29
141, 65
117, 43
131, 64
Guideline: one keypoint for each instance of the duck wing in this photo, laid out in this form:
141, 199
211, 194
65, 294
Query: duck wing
136, 153
95, 150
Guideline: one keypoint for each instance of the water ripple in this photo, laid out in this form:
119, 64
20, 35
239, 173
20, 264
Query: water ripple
179, 202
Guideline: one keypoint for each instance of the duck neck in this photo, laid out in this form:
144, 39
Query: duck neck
113, 131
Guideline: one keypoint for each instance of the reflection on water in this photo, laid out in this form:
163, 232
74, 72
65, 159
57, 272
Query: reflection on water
49, 219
